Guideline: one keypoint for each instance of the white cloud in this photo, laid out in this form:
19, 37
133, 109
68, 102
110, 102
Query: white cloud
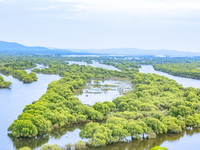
136, 6
48, 7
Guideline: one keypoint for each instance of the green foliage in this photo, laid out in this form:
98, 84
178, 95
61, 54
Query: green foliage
157, 126
24, 148
4, 84
59, 107
189, 70
15, 69
80, 145
23, 128
23, 76
96, 81
102, 107
51, 147
180, 110
173, 124
153, 108
158, 148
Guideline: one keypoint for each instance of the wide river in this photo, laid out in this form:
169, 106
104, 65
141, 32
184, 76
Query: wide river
13, 101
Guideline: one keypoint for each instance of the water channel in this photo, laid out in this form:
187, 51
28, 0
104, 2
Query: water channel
15, 99
94, 64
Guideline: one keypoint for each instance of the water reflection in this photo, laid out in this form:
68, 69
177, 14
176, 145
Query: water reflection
52, 137
146, 144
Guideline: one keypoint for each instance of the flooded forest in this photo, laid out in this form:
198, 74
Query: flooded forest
57, 102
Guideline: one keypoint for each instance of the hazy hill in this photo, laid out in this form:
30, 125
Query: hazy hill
134, 51
15, 48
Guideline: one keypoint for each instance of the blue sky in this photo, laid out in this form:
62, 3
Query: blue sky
147, 24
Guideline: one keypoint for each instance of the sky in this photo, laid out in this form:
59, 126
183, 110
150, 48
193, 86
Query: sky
144, 24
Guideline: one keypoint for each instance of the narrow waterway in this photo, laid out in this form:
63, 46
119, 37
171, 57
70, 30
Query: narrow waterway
94, 64
186, 82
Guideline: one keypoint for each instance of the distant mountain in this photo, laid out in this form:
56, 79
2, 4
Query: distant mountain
15, 48
135, 51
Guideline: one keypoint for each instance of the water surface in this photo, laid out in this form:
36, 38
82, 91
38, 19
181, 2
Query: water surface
105, 90
94, 64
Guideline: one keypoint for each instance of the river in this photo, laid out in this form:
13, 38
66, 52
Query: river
15, 99
186, 82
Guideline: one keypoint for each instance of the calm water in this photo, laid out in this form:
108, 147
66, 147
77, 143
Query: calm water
186, 82
94, 64
104, 91
15, 99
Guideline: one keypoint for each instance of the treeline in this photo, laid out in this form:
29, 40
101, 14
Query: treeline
20, 65
122, 64
4, 84
8, 68
188, 70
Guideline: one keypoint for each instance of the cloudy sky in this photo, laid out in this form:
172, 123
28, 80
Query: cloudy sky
147, 24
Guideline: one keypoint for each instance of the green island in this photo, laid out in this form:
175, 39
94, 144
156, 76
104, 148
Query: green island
16, 69
157, 105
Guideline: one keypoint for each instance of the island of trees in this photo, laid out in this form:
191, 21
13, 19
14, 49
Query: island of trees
157, 105
16, 69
